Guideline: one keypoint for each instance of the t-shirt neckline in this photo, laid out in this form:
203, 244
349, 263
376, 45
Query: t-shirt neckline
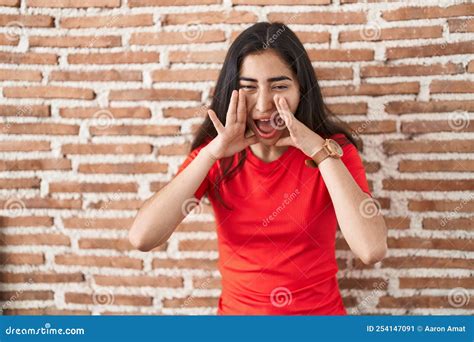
252, 158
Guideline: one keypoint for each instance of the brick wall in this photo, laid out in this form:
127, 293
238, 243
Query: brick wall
98, 107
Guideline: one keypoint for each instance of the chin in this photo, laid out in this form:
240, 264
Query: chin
269, 142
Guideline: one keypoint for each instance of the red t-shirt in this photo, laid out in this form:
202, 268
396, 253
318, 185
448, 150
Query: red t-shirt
277, 247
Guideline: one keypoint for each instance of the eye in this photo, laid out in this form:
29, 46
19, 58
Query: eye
280, 87
247, 87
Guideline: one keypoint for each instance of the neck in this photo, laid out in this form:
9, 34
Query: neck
268, 153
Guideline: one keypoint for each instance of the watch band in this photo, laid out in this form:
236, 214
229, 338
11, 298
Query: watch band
323, 154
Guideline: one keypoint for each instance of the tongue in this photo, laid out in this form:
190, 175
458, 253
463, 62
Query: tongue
265, 126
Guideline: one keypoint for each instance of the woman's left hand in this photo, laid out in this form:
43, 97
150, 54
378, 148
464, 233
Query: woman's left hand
301, 136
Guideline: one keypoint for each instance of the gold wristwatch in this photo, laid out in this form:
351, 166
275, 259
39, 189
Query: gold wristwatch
330, 149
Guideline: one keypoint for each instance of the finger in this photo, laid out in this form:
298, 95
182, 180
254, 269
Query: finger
215, 121
231, 111
284, 112
241, 108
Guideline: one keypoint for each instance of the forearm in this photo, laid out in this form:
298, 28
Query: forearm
161, 213
363, 228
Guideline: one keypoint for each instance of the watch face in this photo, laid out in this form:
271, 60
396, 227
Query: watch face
334, 147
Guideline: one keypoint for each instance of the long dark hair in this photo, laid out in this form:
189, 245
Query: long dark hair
311, 110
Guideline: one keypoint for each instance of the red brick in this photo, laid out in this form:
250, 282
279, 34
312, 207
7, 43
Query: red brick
49, 92
453, 165
100, 223
35, 164
397, 33
145, 19
23, 221
419, 301
319, 17
428, 184
426, 262
114, 244
425, 12
50, 203
20, 75
28, 58
150, 3
45, 312
461, 25
432, 126
125, 204
197, 56
190, 302
76, 41
442, 86
73, 4
154, 281
430, 50
92, 187
155, 95
192, 35
136, 130
433, 243
124, 168
96, 76
197, 245
25, 295
373, 127
27, 20
193, 264
436, 283
447, 222
111, 113
129, 57
103, 297
343, 55
411, 70
210, 17
21, 258
428, 146
372, 89
34, 239
98, 261
185, 75
40, 277
21, 183
40, 128
437, 106
139, 148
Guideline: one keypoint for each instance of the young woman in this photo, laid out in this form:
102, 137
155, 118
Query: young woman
281, 173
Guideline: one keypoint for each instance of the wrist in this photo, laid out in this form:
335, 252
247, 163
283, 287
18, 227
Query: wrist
316, 144
210, 155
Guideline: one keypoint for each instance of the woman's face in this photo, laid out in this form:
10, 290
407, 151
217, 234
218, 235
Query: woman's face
262, 76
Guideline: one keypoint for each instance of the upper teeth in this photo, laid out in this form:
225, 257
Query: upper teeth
264, 119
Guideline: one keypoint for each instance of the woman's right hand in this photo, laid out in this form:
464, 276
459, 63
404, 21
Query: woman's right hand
231, 138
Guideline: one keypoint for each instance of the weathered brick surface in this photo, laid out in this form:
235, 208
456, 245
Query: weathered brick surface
98, 98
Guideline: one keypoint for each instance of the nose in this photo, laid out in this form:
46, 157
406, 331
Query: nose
264, 101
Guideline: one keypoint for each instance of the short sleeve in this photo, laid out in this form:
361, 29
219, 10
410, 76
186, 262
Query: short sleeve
203, 188
353, 163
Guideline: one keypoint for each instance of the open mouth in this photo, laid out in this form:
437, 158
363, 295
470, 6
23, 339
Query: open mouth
265, 128
268, 128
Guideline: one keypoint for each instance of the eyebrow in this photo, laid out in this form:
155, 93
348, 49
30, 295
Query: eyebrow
271, 79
